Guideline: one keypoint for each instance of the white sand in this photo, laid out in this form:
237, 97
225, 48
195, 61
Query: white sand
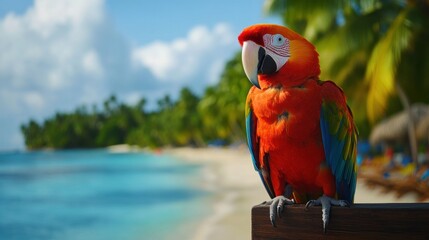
236, 187
123, 148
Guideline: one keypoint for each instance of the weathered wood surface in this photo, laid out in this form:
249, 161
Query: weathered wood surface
360, 221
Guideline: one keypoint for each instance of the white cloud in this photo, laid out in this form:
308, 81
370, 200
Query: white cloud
195, 58
213, 72
45, 44
55, 56
91, 64
34, 100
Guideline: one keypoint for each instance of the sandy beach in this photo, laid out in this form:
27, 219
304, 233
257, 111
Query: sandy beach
236, 187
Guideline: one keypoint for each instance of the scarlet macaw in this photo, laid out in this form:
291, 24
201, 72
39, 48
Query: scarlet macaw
300, 131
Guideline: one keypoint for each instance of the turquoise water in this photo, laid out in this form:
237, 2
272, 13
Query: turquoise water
98, 195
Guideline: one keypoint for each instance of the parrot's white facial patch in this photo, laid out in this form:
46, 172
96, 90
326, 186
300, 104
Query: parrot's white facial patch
277, 44
278, 47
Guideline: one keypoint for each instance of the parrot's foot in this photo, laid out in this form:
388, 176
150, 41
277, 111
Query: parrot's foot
326, 203
276, 207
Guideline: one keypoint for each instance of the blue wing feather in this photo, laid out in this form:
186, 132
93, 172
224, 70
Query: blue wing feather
254, 150
335, 122
249, 135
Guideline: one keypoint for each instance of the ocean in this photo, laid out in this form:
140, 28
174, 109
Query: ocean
96, 194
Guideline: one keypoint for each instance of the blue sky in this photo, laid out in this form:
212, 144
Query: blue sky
60, 54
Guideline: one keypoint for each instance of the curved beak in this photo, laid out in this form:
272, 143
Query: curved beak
257, 60
249, 56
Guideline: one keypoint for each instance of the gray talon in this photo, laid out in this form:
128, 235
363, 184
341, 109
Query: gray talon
277, 206
326, 203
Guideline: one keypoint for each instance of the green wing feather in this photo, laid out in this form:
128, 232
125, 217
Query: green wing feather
339, 135
253, 144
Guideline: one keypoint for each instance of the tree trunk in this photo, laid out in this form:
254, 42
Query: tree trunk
411, 126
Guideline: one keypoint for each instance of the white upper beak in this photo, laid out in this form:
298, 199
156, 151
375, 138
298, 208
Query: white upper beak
249, 56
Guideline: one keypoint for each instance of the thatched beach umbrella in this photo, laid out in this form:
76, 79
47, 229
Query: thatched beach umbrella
394, 129
422, 130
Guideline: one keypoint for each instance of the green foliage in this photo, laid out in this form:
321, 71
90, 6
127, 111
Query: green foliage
369, 47
33, 134
190, 120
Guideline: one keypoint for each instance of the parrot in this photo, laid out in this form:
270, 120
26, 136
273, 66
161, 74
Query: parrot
300, 131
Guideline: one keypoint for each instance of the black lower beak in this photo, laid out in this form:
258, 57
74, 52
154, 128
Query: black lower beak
266, 64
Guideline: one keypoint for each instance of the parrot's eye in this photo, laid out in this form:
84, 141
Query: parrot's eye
278, 40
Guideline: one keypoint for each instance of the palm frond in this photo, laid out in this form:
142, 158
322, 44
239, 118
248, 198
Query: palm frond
380, 73
341, 43
304, 8
366, 6
347, 66
415, 61
306, 16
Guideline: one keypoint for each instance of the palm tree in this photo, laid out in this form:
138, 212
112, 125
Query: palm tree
376, 49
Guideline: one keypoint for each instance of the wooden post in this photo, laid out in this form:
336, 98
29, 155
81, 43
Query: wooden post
360, 221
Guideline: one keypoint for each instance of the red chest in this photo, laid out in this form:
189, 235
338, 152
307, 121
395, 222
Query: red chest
289, 130
288, 114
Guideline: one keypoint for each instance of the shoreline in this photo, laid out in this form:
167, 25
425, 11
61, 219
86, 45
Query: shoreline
236, 187
234, 192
